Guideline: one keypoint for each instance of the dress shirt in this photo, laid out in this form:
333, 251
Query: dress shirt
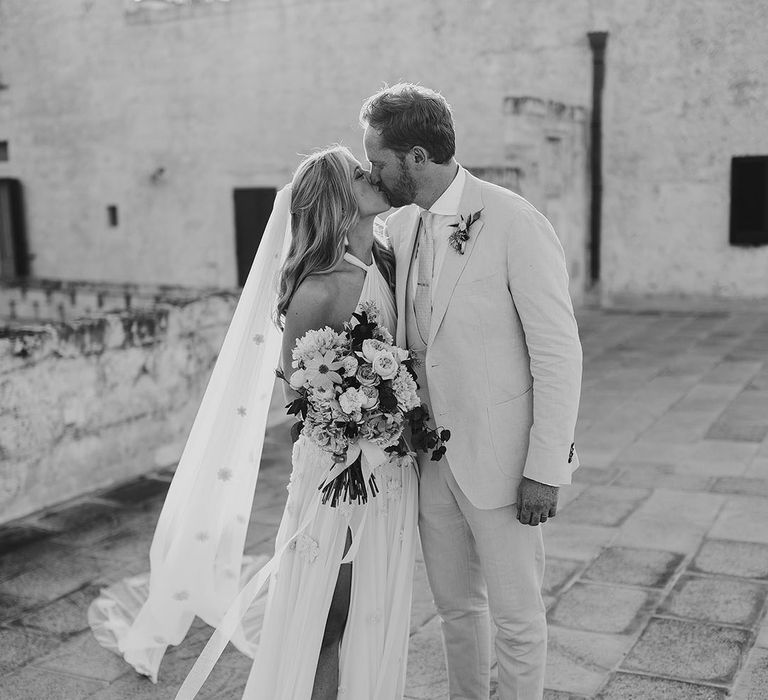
445, 212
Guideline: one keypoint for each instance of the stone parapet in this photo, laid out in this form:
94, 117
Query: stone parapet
96, 400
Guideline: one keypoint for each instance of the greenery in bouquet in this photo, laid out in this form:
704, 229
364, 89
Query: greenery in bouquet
357, 384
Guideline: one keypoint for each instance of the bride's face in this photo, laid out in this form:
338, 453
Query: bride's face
370, 199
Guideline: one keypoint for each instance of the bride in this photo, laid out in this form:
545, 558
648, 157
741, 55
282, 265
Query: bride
339, 586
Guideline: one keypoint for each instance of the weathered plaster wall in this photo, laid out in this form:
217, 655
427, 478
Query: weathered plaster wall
225, 95
222, 95
85, 404
686, 89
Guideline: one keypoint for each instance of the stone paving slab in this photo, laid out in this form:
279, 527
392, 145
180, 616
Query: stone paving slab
753, 683
657, 562
32, 683
634, 567
19, 646
688, 651
671, 520
604, 505
602, 608
732, 558
575, 541
719, 600
63, 617
84, 657
580, 662
743, 518
664, 476
628, 686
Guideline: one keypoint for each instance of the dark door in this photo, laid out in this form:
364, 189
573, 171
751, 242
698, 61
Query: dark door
14, 256
253, 205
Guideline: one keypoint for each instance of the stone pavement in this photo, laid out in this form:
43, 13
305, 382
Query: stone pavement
657, 567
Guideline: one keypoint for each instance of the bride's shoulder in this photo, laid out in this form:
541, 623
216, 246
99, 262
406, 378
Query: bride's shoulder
315, 290
313, 296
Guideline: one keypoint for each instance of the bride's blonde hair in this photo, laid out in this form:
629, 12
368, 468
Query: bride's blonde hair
323, 212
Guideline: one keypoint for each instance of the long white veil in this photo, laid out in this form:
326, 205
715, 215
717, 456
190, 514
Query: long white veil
197, 551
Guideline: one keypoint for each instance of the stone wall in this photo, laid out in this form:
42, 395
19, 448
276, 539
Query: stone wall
162, 109
163, 112
686, 90
90, 402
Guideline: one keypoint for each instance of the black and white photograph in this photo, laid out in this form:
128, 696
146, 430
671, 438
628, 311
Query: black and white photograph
383, 350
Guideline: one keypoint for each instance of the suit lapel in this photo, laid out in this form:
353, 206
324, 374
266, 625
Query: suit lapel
454, 263
404, 259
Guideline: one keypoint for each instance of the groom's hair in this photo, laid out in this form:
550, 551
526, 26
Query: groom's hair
408, 115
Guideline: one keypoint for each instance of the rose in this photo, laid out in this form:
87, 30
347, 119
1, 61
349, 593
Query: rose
351, 401
385, 365
297, 379
377, 426
366, 376
371, 396
402, 354
371, 347
384, 430
350, 365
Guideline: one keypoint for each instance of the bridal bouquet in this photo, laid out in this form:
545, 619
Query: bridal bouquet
358, 385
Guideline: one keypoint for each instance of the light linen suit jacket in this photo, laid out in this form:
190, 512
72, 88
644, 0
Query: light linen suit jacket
503, 360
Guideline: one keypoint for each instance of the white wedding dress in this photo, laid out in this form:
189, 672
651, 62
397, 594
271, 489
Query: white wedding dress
287, 643
374, 646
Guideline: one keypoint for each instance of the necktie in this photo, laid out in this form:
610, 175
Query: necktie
422, 303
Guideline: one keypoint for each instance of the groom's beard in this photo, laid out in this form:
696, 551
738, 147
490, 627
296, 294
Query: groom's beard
404, 189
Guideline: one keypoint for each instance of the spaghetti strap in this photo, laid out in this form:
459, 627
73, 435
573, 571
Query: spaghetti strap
357, 262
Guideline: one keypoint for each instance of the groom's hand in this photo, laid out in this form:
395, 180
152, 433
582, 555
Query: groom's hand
536, 502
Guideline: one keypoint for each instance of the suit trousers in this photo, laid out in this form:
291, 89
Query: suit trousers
483, 564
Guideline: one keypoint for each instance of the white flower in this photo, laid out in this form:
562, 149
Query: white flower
350, 365
307, 547
370, 309
385, 335
317, 342
385, 364
371, 347
383, 430
405, 390
298, 378
324, 392
402, 354
321, 370
351, 401
394, 488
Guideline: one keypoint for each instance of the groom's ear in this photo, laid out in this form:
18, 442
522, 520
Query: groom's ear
420, 156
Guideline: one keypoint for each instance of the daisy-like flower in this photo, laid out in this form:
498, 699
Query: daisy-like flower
323, 370
307, 547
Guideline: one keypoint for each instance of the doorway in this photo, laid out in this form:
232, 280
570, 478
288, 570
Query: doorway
253, 205
14, 255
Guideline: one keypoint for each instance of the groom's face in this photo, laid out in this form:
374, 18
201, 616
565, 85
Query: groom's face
389, 170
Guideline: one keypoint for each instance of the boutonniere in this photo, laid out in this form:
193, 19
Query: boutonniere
458, 239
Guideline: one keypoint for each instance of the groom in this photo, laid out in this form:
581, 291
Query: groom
482, 296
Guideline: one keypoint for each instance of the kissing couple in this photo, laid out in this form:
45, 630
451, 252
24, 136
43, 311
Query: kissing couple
434, 367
